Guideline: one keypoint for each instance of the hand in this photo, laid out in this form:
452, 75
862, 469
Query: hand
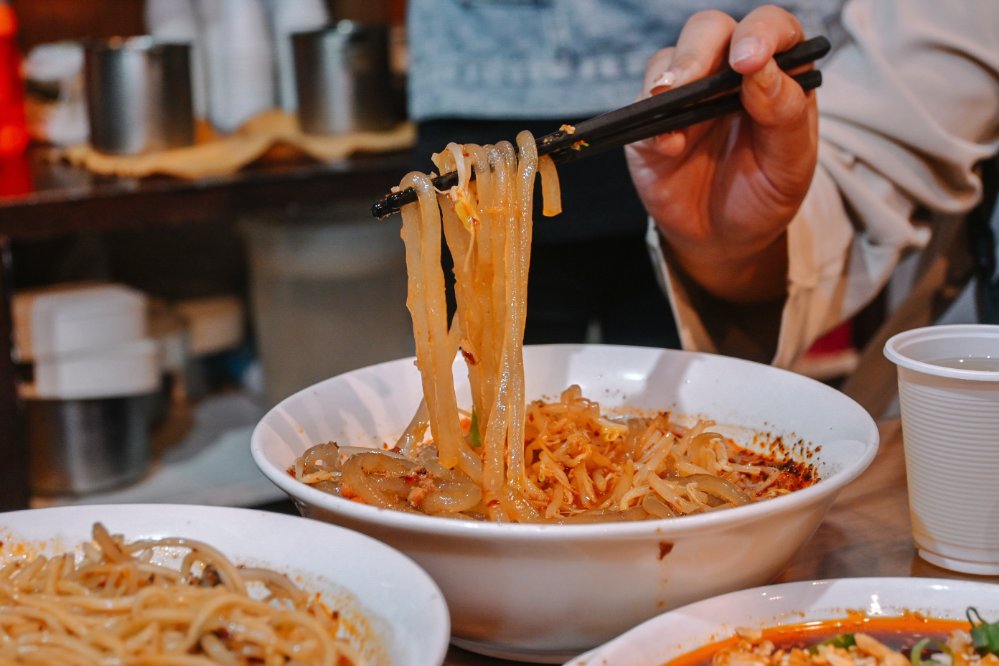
723, 192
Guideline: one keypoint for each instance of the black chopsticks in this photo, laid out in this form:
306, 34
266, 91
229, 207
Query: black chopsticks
687, 105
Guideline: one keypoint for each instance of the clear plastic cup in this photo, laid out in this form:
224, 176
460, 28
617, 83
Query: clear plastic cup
948, 383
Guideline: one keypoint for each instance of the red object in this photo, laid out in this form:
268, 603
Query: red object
836, 340
13, 126
15, 175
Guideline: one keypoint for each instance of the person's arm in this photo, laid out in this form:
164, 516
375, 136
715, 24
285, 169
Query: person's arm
908, 107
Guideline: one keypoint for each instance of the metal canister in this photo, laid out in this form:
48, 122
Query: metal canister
343, 80
87, 445
139, 97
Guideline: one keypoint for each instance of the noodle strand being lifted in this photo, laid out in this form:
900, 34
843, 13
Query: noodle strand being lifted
487, 224
117, 605
509, 460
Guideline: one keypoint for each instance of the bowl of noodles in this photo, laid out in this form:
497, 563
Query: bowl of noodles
184, 584
557, 494
544, 588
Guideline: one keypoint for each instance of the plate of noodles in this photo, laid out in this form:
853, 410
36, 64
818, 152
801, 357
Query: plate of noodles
848, 621
123, 583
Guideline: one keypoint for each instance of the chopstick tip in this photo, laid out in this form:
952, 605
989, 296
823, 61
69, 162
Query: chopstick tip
381, 209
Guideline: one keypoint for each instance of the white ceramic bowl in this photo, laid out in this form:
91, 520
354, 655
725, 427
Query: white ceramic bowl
673, 634
548, 592
398, 612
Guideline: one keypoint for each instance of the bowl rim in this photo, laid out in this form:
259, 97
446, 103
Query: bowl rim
827, 487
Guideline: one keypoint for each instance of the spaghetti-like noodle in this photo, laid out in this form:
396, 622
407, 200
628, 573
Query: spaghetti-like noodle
507, 460
117, 605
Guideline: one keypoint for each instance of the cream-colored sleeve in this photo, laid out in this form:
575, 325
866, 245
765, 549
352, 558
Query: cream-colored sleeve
908, 108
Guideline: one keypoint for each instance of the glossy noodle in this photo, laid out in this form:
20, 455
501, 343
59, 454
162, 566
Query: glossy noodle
507, 459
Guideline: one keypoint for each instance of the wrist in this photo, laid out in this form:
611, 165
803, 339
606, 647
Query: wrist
737, 273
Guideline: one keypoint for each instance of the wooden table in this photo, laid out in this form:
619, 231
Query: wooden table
865, 533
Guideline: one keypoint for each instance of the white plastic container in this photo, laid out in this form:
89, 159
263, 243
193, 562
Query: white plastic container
129, 368
328, 295
948, 384
73, 317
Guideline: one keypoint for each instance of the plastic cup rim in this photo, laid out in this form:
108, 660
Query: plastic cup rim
936, 332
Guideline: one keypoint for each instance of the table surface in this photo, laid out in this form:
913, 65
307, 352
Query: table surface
865, 533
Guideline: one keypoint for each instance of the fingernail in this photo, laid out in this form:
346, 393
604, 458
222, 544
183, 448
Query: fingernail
665, 80
744, 49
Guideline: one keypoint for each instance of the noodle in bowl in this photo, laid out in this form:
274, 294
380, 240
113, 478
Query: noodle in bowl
387, 609
546, 592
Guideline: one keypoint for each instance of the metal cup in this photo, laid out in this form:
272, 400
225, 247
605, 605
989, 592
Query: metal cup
343, 79
85, 446
138, 95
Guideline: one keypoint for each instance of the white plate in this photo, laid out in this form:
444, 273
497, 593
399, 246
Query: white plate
679, 631
399, 612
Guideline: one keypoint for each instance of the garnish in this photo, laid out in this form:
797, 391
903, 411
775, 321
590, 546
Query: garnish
916, 653
473, 431
984, 635
844, 641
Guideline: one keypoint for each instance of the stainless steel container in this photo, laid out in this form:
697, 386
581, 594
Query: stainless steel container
343, 79
139, 97
83, 446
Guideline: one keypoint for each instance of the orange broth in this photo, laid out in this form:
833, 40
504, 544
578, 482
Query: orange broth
897, 632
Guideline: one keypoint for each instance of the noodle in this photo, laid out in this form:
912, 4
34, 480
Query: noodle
115, 606
510, 460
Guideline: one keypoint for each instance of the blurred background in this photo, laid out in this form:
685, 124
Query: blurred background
151, 320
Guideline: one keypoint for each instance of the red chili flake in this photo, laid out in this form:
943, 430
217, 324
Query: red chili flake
665, 548
493, 502
469, 357
415, 476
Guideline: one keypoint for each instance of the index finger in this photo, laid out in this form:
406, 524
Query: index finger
701, 47
762, 33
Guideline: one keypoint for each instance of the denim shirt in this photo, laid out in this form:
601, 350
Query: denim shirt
510, 59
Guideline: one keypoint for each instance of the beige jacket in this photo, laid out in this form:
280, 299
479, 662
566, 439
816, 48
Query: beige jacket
908, 107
